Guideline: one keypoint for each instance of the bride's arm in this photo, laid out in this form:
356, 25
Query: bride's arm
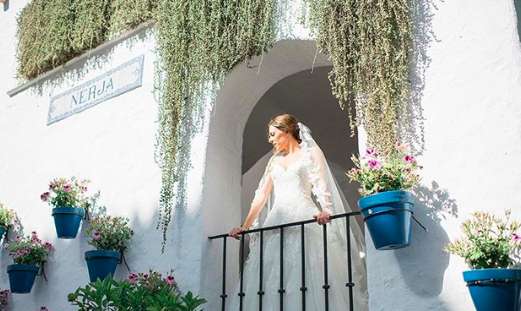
320, 188
259, 201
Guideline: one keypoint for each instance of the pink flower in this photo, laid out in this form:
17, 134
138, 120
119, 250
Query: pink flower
409, 159
370, 152
96, 235
402, 147
516, 237
132, 278
67, 188
170, 280
43, 308
374, 164
48, 246
45, 196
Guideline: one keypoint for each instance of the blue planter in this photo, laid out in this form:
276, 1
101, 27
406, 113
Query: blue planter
101, 263
67, 221
21, 277
388, 218
3, 230
495, 289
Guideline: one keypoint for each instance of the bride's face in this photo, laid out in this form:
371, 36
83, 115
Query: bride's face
279, 139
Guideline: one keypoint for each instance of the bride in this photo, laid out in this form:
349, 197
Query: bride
297, 176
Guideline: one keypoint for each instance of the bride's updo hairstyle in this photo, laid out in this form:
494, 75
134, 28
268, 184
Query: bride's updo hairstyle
286, 123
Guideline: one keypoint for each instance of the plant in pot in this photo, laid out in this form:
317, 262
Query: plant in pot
29, 255
69, 200
491, 247
8, 220
386, 205
110, 236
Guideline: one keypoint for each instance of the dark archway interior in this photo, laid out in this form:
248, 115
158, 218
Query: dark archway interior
307, 95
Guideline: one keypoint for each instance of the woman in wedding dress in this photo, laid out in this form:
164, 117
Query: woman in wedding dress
297, 176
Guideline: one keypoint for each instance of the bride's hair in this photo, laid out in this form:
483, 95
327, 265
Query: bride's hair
286, 123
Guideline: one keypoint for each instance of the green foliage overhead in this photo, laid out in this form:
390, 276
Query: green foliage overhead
199, 43
369, 43
51, 32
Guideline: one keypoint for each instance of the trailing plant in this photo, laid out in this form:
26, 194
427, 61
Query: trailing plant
109, 233
70, 28
143, 291
8, 217
199, 43
378, 173
369, 44
29, 250
489, 241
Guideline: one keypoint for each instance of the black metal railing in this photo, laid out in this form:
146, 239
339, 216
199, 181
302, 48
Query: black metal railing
349, 284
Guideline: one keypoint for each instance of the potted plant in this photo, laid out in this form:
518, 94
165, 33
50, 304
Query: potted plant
110, 235
490, 246
68, 197
8, 220
29, 254
4, 299
386, 205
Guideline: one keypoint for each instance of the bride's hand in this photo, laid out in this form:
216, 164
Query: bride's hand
236, 232
322, 217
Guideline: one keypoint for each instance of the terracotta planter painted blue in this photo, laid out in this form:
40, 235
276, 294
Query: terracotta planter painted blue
3, 230
388, 218
21, 277
101, 263
67, 221
494, 289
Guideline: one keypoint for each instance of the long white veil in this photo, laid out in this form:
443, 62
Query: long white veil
327, 193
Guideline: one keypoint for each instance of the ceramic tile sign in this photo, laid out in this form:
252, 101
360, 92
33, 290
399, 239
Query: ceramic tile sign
117, 81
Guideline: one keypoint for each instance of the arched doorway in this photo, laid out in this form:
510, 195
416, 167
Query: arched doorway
292, 79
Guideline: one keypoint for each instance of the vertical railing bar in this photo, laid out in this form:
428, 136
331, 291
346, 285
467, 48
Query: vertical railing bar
303, 289
281, 288
326, 285
350, 283
223, 295
241, 293
261, 254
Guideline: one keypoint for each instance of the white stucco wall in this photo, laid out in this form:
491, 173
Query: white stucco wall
471, 91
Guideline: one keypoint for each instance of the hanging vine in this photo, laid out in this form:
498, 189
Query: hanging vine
369, 43
199, 43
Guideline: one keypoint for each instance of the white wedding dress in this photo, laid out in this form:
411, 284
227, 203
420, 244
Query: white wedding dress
292, 201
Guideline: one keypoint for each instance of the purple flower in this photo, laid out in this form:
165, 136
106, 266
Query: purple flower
45, 196
409, 159
96, 235
170, 280
374, 164
132, 278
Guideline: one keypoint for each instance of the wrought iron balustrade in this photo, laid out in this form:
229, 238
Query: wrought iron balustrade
281, 228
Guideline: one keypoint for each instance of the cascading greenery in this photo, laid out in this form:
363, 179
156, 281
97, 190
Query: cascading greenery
200, 41
369, 43
51, 32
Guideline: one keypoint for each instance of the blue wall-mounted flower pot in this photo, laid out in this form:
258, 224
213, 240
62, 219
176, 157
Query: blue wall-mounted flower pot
67, 221
387, 216
101, 263
3, 230
494, 289
21, 277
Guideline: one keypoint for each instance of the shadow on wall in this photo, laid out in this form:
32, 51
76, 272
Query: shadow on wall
517, 4
426, 253
412, 123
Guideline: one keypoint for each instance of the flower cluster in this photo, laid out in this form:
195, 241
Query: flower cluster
489, 241
67, 193
152, 280
109, 232
4, 298
8, 217
29, 250
377, 173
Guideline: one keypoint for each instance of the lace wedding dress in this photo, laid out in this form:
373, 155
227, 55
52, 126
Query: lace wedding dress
292, 200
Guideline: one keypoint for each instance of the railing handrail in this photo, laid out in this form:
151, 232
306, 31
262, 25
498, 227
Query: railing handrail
290, 224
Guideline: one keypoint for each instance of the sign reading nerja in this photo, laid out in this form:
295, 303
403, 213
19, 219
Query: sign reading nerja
117, 81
